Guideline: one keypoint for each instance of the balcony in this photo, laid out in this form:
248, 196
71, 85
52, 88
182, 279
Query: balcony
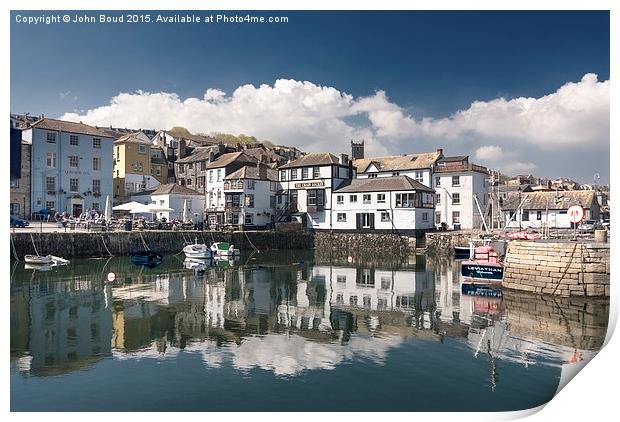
232, 208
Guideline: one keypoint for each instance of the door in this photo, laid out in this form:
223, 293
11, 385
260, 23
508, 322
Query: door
77, 210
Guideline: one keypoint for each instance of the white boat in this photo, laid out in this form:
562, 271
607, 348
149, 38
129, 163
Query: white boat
38, 259
198, 250
224, 249
198, 265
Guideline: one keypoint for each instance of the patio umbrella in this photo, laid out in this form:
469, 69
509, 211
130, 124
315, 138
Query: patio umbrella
128, 206
140, 209
185, 212
108, 212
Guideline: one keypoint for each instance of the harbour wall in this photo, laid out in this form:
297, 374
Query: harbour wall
558, 268
443, 243
73, 245
338, 246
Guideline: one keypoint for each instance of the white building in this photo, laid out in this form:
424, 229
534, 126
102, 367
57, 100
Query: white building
419, 167
458, 183
216, 171
250, 199
71, 166
387, 204
307, 185
174, 196
547, 209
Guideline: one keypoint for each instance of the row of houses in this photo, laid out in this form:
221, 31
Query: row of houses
72, 167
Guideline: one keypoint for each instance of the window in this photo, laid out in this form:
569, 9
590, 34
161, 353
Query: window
140, 167
395, 173
249, 219
406, 200
366, 199
51, 137
456, 199
367, 301
372, 176
50, 205
456, 217
96, 186
142, 149
190, 166
96, 163
381, 198
315, 197
74, 161
189, 182
282, 174
293, 174
249, 200
50, 182
97, 143
316, 172
73, 185
14, 183
74, 140
96, 205
437, 181
51, 159
273, 186
304, 173
341, 279
366, 220
353, 300
340, 199
341, 217
525, 216
424, 216
210, 176
419, 176
219, 175
339, 299
386, 283
250, 184
233, 218
438, 198
539, 215
385, 216
155, 153
272, 201
456, 181
352, 199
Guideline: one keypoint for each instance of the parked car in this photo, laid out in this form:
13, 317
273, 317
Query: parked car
588, 226
42, 214
18, 222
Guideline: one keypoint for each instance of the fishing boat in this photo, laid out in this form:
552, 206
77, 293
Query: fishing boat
148, 259
224, 249
45, 260
198, 250
484, 268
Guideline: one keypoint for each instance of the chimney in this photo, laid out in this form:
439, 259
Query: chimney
262, 171
344, 159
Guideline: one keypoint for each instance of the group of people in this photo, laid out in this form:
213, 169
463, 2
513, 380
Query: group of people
88, 216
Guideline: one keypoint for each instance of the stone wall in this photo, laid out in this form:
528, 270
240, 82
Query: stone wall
364, 245
558, 268
70, 245
443, 243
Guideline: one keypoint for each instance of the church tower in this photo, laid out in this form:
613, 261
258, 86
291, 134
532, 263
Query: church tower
357, 150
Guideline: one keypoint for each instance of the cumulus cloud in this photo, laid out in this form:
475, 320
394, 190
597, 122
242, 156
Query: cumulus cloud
319, 118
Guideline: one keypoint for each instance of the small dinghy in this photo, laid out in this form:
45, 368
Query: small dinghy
198, 265
148, 259
38, 259
198, 250
224, 249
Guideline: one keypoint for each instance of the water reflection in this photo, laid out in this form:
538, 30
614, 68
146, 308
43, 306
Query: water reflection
285, 315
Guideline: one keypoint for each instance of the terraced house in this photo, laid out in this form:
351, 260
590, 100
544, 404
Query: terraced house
132, 166
71, 166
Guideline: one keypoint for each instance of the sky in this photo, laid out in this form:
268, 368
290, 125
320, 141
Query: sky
523, 92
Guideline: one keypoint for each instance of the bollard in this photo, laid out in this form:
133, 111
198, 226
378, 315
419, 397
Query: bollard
600, 236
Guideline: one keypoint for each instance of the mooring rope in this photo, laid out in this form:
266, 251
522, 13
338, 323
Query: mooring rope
566, 269
33, 244
106, 248
251, 244
143, 242
14, 250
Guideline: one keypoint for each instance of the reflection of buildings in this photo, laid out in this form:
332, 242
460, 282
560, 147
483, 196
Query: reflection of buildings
69, 326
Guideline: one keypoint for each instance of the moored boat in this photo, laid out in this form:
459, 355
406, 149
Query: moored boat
148, 259
484, 268
198, 250
462, 252
38, 259
224, 249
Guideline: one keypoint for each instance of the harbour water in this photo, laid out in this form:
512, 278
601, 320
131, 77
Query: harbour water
287, 331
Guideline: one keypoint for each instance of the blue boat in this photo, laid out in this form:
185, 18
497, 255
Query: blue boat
148, 259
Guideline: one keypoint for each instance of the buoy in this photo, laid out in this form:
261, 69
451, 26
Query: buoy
111, 277
349, 259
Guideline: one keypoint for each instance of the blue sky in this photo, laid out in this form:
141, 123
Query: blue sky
429, 64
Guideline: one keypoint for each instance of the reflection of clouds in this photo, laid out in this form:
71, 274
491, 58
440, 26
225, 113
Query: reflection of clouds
279, 353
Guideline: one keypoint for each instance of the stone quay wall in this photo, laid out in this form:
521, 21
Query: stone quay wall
558, 268
364, 245
68, 245
443, 243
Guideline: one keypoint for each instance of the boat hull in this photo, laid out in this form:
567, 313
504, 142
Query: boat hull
197, 251
490, 273
38, 260
148, 259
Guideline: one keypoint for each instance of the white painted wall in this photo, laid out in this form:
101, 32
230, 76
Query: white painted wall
471, 183
421, 175
175, 201
262, 211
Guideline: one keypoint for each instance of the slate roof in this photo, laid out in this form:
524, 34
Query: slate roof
199, 154
173, 188
513, 188
251, 172
132, 138
382, 184
189, 136
399, 162
318, 159
561, 200
70, 127
226, 159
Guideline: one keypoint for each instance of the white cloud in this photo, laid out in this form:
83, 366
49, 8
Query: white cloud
318, 118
